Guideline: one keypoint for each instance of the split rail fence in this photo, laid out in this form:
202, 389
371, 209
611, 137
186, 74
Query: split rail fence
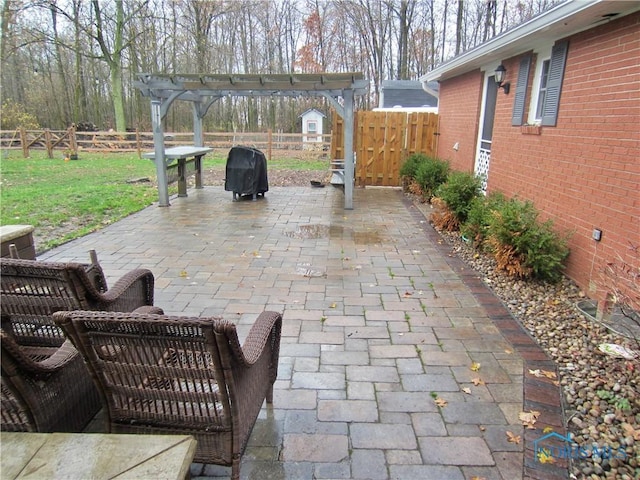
383, 141
72, 141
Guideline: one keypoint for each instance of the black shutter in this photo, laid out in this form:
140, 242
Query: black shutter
521, 91
554, 84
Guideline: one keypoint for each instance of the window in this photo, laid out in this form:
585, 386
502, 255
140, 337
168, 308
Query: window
542, 91
547, 85
312, 126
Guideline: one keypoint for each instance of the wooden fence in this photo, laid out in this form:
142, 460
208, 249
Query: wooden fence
70, 140
384, 140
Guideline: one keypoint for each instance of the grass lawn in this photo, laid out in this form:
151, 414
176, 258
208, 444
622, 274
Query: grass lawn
64, 200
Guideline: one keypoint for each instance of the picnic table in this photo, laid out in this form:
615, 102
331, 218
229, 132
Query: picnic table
179, 163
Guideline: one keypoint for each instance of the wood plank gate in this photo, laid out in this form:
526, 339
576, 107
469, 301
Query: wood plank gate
383, 141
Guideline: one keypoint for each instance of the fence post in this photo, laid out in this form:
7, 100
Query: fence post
138, 145
269, 143
23, 141
73, 144
47, 142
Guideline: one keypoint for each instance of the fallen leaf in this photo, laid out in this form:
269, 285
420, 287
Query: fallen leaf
333, 305
547, 430
440, 402
529, 418
508, 351
184, 274
513, 438
549, 374
407, 294
475, 366
535, 373
477, 381
482, 428
544, 456
467, 390
475, 477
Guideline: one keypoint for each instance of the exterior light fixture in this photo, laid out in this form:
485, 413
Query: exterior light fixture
499, 77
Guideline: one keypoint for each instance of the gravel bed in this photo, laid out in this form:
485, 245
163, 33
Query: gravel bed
601, 392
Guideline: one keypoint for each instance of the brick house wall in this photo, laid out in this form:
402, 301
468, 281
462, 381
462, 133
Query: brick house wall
583, 173
458, 114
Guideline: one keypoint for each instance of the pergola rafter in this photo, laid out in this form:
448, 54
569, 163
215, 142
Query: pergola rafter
203, 90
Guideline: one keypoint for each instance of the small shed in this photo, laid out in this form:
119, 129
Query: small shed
312, 126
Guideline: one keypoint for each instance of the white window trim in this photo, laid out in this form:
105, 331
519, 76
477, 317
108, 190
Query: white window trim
542, 54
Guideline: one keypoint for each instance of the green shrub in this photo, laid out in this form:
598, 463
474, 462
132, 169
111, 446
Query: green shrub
458, 193
410, 166
522, 245
479, 217
14, 116
430, 174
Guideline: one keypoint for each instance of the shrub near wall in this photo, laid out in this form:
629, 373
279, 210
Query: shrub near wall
510, 229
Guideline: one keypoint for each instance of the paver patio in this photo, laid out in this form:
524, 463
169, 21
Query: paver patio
379, 320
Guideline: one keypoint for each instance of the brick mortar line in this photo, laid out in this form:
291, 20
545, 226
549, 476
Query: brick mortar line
533, 355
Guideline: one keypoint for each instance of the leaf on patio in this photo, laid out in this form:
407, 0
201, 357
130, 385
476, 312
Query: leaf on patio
440, 402
333, 305
529, 418
475, 477
508, 351
183, 274
475, 366
408, 294
543, 373
547, 430
467, 390
477, 381
513, 438
544, 456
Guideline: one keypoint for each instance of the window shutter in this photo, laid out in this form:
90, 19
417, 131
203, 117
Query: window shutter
554, 84
521, 91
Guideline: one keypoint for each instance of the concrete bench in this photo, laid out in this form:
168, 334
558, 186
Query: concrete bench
22, 237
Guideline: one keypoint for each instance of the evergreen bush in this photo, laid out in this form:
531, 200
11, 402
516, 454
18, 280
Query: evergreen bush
524, 246
458, 193
430, 174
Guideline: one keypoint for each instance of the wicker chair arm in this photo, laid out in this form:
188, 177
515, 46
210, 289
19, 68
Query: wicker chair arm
262, 331
133, 290
65, 354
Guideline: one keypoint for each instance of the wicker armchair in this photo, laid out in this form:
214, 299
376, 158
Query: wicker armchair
45, 389
45, 385
179, 375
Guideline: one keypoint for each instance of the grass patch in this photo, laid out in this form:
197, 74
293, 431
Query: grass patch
64, 200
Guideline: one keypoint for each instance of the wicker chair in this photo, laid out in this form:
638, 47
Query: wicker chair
180, 375
45, 385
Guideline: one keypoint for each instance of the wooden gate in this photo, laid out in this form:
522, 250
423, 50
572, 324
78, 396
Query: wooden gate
383, 141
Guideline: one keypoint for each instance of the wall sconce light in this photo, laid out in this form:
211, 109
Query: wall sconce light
499, 77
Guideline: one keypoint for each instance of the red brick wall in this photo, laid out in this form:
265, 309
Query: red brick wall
458, 112
585, 172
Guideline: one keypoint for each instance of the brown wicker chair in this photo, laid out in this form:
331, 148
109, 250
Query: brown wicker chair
45, 385
45, 389
180, 375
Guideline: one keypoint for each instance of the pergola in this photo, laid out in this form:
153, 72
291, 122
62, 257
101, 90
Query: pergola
203, 90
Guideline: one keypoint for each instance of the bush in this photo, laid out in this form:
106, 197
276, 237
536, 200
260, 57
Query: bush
458, 193
479, 217
430, 174
14, 116
410, 166
522, 245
